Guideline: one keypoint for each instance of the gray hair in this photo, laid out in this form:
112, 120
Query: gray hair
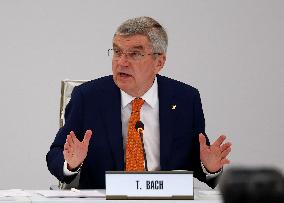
148, 27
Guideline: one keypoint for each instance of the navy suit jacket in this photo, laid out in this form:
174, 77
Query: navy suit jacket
96, 105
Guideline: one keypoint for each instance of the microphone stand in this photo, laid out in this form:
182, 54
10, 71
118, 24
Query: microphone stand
140, 131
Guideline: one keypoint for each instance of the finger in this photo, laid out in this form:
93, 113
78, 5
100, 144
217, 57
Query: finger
225, 153
67, 149
87, 137
66, 146
220, 140
225, 146
69, 141
202, 141
69, 145
67, 155
225, 161
71, 135
74, 138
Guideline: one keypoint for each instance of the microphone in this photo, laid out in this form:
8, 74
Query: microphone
139, 126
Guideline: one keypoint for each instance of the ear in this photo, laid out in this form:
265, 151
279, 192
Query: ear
160, 62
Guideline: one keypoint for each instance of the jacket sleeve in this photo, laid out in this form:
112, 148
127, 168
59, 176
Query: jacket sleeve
199, 127
73, 122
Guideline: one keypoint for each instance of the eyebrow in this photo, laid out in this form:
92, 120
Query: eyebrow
140, 47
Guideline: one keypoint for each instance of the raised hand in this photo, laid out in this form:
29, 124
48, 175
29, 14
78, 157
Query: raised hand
214, 156
75, 151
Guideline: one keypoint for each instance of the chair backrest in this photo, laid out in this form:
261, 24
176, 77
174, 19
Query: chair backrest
67, 87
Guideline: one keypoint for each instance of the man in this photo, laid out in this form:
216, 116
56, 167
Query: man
99, 133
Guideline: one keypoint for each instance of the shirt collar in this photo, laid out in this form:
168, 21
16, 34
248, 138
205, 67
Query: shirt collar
150, 97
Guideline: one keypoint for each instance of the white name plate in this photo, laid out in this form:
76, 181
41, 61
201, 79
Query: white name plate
149, 185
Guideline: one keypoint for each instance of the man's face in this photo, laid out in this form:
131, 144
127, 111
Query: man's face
133, 65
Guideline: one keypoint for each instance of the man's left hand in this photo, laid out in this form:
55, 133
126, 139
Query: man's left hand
213, 157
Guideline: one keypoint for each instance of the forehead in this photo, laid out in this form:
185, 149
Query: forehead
130, 42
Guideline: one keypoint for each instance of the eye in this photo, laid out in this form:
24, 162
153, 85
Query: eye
135, 54
117, 52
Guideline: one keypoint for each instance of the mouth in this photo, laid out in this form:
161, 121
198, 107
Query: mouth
124, 75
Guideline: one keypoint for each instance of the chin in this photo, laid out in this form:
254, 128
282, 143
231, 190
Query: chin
123, 87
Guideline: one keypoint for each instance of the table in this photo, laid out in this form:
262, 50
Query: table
37, 198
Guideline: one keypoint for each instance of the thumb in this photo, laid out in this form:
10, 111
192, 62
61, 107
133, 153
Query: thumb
202, 140
87, 137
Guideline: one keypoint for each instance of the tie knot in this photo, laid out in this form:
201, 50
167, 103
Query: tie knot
137, 103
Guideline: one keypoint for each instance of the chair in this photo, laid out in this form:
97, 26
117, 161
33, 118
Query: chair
252, 185
67, 87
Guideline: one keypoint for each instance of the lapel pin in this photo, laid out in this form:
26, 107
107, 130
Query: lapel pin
174, 107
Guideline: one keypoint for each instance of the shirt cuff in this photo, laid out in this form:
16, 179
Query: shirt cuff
208, 174
67, 172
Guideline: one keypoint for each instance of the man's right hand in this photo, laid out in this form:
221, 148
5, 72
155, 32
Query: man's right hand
75, 151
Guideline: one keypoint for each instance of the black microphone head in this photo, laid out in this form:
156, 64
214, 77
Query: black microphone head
139, 124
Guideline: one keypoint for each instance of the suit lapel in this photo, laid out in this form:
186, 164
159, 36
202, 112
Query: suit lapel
166, 116
112, 117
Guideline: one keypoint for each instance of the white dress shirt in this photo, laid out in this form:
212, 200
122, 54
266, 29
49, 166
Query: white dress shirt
149, 115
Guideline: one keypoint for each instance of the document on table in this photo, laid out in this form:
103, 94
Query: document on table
72, 193
209, 194
14, 193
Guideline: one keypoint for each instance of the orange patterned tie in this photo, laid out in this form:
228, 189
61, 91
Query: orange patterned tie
134, 157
